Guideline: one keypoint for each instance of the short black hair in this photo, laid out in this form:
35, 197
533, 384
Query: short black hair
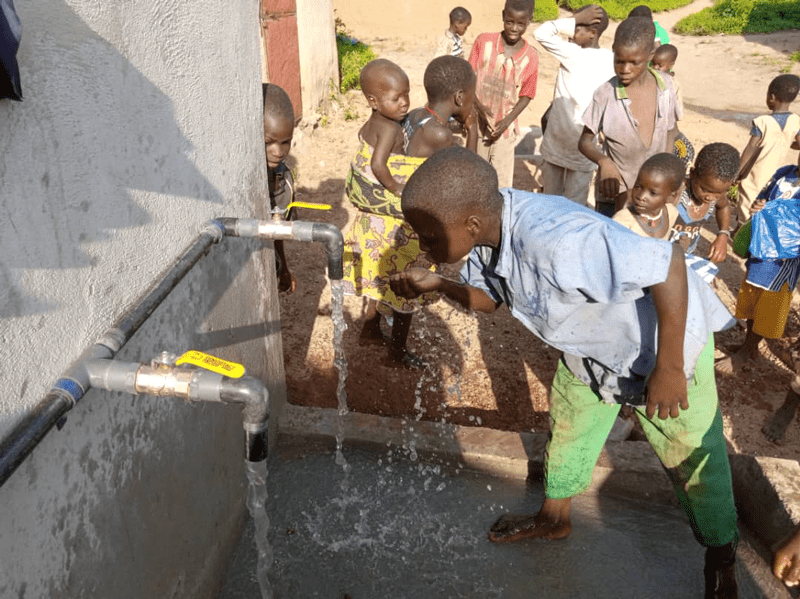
450, 182
668, 165
641, 11
785, 87
446, 75
459, 14
635, 31
520, 6
276, 102
602, 25
667, 51
720, 160
373, 68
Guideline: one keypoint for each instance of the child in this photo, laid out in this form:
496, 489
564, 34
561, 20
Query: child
278, 133
786, 565
662, 37
452, 43
664, 61
450, 87
379, 241
507, 67
584, 67
770, 139
773, 268
706, 193
633, 324
651, 212
635, 110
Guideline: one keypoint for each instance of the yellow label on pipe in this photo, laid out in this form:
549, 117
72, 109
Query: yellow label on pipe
212, 363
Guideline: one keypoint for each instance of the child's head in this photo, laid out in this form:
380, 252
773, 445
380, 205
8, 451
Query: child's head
659, 181
633, 48
664, 58
587, 35
278, 123
451, 78
517, 15
641, 11
386, 88
450, 200
783, 89
460, 19
714, 171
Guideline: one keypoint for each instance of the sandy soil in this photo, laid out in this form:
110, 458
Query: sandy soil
487, 369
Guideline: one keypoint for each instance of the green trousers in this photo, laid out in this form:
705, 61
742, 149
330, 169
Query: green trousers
691, 448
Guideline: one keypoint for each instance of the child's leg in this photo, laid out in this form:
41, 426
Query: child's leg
693, 451
579, 424
500, 154
776, 427
371, 331
398, 352
576, 186
553, 177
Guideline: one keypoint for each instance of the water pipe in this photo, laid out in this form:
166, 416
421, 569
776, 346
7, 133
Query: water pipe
76, 381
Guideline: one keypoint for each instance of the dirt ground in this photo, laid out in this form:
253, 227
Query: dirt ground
487, 369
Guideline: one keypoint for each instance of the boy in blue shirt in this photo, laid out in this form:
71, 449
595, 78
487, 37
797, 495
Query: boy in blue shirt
635, 327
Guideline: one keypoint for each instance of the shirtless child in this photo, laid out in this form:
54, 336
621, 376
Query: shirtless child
637, 94
450, 85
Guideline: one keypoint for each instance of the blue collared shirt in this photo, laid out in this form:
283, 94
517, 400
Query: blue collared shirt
579, 281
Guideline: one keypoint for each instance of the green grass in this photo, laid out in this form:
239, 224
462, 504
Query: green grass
618, 9
742, 16
545, 10
352, 58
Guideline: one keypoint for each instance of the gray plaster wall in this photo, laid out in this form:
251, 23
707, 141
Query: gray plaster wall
141, 121
319, 62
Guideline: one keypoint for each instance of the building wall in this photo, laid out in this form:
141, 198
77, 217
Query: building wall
319, 63
141, 121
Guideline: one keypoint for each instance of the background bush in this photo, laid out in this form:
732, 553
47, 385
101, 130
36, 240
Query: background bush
618, 9
545, 10
353, 55
742, 16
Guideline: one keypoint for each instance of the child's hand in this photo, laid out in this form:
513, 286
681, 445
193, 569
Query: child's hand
414, 282
719, 249
786, 565
589, 15
666, 390
757, 206
287, 282
495, 131
610, 179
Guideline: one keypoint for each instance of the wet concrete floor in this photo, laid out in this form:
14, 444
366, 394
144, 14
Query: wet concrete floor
398, 528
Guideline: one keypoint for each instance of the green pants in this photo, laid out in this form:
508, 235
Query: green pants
691, 448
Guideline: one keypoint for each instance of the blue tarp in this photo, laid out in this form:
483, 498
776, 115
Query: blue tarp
776, 230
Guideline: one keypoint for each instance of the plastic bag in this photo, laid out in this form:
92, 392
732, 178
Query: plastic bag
776, 230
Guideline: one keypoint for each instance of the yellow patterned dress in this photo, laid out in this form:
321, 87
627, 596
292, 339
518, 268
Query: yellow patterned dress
380, 243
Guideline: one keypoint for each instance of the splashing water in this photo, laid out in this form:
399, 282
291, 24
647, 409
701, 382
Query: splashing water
256, 500
340, 361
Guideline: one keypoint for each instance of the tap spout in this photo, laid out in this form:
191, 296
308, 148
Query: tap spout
297, 230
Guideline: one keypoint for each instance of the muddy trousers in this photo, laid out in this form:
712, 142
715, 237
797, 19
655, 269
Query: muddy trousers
691, 448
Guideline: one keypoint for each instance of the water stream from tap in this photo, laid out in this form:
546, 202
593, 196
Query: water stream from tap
340, 361
256, 500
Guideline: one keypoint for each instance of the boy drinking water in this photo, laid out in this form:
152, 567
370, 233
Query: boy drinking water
584, 66
278, 133
452, 42
771, 136
635, 111
635, 327
651, 211
507, 67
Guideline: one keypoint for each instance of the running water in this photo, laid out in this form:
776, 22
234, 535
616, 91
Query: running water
340, 361
256, 500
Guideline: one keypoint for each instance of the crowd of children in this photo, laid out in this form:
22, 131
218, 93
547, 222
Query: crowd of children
635, 325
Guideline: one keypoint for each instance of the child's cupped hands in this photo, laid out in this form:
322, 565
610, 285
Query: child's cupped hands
414, 282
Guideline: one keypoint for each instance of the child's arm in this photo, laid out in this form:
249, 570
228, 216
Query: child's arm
719, 248
413, 282
608, 173
386, 134
495, 131
786, 566
748, 157
286, 280
667, 387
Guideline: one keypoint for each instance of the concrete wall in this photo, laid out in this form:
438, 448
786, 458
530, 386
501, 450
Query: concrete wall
141, 121
319, 63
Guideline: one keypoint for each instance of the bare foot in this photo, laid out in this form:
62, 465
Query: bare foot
732, 363
776, 427
513, 527
400, 357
